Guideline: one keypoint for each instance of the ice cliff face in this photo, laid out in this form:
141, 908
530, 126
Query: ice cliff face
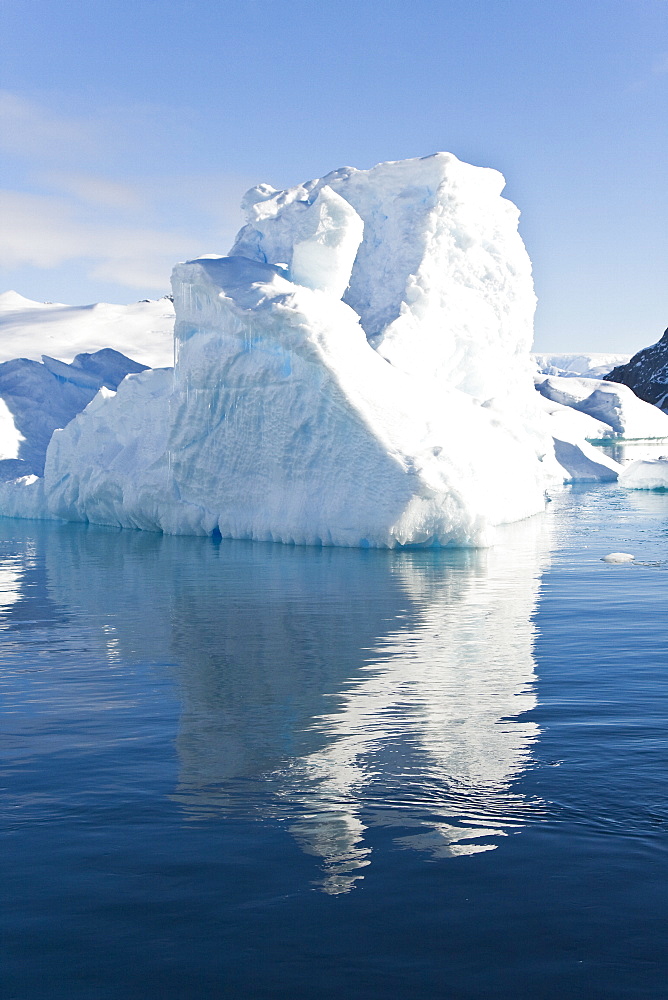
356, 372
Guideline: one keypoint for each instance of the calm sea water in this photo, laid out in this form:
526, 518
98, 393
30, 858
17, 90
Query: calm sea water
236, 770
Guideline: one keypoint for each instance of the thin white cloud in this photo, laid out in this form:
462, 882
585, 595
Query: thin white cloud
93, 190
27, 129
108, 224
43, 232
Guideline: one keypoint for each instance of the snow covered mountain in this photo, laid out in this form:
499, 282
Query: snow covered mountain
646, 373
143, 330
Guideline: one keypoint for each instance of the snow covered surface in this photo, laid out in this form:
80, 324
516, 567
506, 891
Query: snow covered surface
143, 330
332, 391
608, 403
594, 365
650, 474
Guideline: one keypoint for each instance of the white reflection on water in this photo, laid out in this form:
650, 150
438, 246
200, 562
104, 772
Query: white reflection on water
431, 737
630, 451
11, 577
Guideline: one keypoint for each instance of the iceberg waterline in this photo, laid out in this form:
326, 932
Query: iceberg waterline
356, 372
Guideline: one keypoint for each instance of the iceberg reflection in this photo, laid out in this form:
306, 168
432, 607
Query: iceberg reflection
334, 690
430, 736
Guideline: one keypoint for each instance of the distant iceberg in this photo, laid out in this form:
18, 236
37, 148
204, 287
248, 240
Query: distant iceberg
356, 372
588, 365
36, 397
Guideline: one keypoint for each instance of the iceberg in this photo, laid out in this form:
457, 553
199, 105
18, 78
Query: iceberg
609, 403
38, 397
646, 474
572, 432
356, 372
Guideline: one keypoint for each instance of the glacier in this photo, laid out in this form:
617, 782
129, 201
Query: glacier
355, 372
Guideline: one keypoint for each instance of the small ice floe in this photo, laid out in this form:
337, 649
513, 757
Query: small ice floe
618, 557
646, 474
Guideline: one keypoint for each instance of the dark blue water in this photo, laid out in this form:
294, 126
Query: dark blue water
236, 770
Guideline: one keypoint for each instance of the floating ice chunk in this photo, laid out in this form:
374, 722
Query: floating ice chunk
579, 460
317, 437
610, 402
583, 463
284, 424
618, 557
648, 474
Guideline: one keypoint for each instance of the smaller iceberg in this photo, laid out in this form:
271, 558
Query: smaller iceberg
616, 407
36, 398
646, 474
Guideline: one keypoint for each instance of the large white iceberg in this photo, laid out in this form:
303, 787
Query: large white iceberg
356, 372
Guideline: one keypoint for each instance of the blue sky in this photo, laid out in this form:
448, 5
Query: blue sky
129, 132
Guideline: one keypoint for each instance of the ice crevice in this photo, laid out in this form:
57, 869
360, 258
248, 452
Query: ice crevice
329, 378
